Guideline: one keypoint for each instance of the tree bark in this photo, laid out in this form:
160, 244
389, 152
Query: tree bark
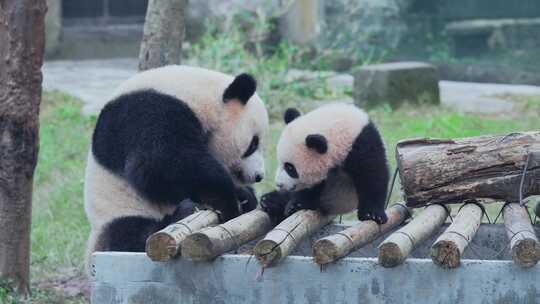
452, 171
163, 34
22, 37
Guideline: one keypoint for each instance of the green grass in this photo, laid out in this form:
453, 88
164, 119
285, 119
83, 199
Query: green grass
60, 228
59, 225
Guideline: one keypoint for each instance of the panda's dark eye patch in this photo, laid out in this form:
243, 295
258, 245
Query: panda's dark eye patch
291, 170
253, 146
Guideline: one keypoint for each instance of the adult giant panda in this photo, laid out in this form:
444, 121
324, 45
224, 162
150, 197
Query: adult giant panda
170, 134
332, 159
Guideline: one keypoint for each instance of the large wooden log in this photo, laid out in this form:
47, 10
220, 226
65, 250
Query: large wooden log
523, 241
282, 240
451, 171
395, 249
211, 242
336, 246
165, 244
447, 250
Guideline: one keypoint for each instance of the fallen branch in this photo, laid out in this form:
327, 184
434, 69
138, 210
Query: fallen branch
336, 246
451, 171
395, 249
282, 240
448, 248
211, 242
165, 244
523, 241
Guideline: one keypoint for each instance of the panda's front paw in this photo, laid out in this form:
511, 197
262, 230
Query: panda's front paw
377, 216
247, 198
184, 209
274, 203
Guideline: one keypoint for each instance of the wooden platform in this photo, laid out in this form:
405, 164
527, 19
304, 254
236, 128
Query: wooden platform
236, 278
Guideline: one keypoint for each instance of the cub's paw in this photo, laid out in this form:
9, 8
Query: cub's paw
378, 216
247, 198
292, 207
274, 203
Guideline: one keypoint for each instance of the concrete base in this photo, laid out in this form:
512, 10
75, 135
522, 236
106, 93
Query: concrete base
396, 83
236, 278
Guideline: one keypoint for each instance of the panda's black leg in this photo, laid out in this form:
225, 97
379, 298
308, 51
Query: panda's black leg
130, 233
305, 199
367, 166
172, 174
209, 181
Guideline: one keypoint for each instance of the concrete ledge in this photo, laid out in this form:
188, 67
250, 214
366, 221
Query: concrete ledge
396, 83
133, 278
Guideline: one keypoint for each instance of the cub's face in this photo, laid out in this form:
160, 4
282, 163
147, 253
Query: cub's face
303, 158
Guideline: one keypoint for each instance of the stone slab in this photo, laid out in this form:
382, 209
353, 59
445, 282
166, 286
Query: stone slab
236, 278
395, 84
469, 9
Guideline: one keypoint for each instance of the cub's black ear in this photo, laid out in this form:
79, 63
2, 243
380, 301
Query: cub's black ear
317, 142
290, 115
242, 88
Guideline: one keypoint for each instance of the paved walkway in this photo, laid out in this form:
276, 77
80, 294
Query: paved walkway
93, 80
90, 80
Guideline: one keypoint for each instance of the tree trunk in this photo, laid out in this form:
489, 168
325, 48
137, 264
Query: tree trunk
451, 171
22, 36
164, 29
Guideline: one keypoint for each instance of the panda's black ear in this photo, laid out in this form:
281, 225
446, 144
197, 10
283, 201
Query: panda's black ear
317, 142
290, 115
242, 88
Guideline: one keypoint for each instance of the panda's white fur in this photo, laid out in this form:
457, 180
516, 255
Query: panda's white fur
339, 122
232, 124
332, 159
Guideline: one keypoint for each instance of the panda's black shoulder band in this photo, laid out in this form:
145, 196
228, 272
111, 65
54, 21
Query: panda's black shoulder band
242, 88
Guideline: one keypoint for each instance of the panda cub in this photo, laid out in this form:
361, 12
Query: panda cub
331, 159
170, 136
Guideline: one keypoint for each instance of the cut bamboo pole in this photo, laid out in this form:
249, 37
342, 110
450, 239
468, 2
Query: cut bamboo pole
336, 246
523, 241
211, 242
395, 249
447, 250
165, 244
282, 240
